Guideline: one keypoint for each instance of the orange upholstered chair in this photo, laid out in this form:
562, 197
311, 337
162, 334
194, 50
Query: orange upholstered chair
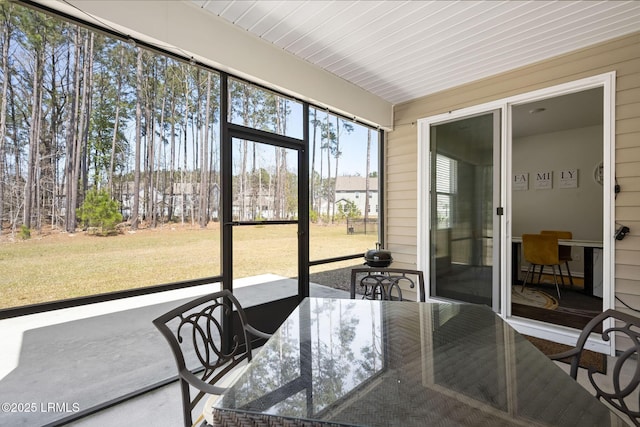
564, 252
541, 249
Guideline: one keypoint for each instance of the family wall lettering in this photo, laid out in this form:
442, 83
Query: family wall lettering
543, 179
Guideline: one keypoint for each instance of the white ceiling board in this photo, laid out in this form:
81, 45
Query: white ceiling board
401, 50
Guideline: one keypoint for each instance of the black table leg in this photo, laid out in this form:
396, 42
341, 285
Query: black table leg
515, 263
588, 270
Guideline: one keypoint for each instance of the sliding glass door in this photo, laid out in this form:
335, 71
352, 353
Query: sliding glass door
464, 199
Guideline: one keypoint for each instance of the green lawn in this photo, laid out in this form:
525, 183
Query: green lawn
60, 265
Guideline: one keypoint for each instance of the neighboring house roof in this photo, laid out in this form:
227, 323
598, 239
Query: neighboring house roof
356, 183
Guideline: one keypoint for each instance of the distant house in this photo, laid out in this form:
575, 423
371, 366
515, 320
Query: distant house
354, 189
182, 200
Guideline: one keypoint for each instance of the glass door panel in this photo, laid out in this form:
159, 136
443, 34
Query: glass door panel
464, 199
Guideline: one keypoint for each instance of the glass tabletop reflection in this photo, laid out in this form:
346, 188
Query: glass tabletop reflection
389, 363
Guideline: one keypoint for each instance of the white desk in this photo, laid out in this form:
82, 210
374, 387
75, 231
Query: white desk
587, 245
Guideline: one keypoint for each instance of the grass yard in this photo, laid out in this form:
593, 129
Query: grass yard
53, 266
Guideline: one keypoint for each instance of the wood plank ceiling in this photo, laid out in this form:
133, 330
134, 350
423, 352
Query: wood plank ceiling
401, 50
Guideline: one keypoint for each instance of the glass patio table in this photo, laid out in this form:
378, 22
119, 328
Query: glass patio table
341, 362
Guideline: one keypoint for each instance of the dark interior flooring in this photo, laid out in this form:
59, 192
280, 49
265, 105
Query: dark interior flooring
574, 310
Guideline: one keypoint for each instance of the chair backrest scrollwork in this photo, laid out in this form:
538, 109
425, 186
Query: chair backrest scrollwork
205, 332
621, 389
205, 343
385, 283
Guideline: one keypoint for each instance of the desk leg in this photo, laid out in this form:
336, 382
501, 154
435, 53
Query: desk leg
588, 270
515, 262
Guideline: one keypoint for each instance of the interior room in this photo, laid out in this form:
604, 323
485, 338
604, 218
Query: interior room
547, 134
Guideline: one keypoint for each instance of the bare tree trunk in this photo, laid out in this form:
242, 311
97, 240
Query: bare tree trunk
244, 181
313, 160
279, 197
116, 123
72, 138
254, 186
37, 183
159, 188
285, 182
195, 149
277, 191
136, 170
280, 156
183, 182
213, 202
337, 156
321, 190
328, 186
15, 197
149, 209
51, 144
367, 182
204, 161
6, 39
172, 159
34, 138
85, 110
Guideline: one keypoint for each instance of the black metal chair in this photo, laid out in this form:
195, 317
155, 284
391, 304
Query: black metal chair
200, 333
384, 283
625, 390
